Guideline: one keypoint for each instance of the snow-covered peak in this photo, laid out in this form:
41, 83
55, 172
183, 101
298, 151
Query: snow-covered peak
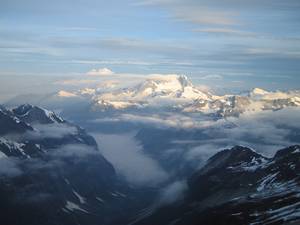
22, 109
163, 85
231, 158
30, 113
87, 91
171, 82
288, 152
155, 90
259, 91
66, 94
260, 94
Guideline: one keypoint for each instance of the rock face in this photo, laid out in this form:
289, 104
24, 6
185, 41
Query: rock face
10, 123
33, 114
239, 186
51, 172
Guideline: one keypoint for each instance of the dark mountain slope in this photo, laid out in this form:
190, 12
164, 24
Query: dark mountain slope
239, 186
51, 172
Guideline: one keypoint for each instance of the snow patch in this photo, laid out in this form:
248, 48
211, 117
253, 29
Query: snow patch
71, 206
81, 199
66, 94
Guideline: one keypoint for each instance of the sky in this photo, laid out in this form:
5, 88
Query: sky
226, 43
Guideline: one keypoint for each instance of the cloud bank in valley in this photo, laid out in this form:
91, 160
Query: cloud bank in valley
127, 156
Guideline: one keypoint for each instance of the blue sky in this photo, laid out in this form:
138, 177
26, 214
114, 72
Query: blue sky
229, 42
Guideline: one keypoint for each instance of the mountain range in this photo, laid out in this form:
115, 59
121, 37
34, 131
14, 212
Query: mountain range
177, 93
52, 171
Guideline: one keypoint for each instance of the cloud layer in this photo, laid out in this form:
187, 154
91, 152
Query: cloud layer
266, 132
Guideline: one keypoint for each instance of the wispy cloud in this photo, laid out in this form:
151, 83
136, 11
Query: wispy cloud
172, 193
54, 130
196, 12
225, 31
114, 62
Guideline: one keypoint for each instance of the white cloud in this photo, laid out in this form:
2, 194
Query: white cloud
173, 192
127, 157
50, 131
163, 121
74, 151
225, 31
100, 72
66, 94
9, 167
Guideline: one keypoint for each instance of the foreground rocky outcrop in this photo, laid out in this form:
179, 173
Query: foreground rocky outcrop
51, 172
238, 186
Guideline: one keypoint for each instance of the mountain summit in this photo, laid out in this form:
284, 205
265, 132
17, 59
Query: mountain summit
167, 90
